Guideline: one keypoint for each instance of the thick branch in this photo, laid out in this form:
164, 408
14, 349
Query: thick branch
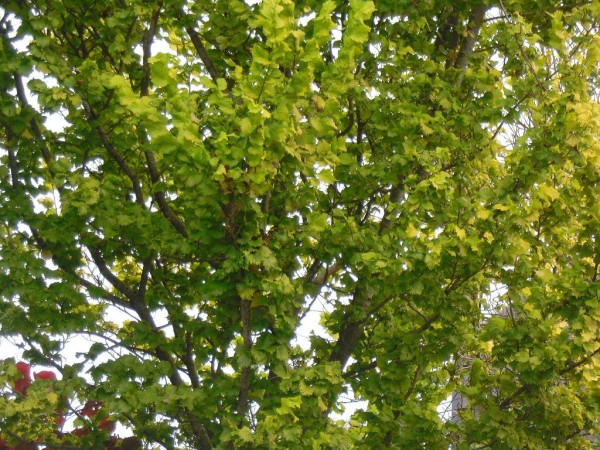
161, 199
201, 50
353, 325
581, 362
112, 151
352, 373
35, 128
146, 47
159, 196
146, 268
320, 278
468, 44
199, 431
427, 324
246, 319
14, 168
188, 360
396, 195
111, 277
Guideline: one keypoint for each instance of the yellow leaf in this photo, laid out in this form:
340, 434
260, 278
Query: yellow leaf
589, 261
460, 233
425, 129
221, 84
245, 126
255, 300
549, 192
246, 292
52, 398
487, 346
411, 231
522, 245
558, 327
588, 336
318, 102
545, 274
483, 214
573, 140
321, 403
26, 134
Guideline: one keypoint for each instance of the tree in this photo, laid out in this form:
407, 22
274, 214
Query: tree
184, 183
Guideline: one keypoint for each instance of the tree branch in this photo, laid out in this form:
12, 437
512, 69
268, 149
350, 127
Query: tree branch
14, 168
504, 404
320, 278
159, 196
580, 363
352, 325
359, 370
146, 268
161, 199
246, 319
111, 277
427, 324
147, 48
201, 50
112, 151
35, 128
468, 43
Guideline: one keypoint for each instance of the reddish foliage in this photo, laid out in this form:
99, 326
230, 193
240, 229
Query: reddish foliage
128, 443
23, 383
59, 419
21, 446
24, 368
107, 424
90, 409
131, 443
80, 432
26, 446
45, 375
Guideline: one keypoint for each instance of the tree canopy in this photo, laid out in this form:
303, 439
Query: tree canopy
186, 187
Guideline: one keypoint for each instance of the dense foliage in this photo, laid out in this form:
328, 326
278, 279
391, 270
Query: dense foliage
186, 184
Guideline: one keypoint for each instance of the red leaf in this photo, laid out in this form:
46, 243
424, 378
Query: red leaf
24, 368
110, 443
59, 420
80, 432
131, 443
26, 446
91, 408
45, 375
22, 384
107, 424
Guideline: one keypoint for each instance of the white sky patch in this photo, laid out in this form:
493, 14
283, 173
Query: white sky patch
303, 21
